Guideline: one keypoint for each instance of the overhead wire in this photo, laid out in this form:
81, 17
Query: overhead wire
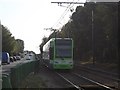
63, 15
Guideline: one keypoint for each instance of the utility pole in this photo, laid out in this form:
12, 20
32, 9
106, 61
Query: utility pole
92, 21
93, 48
118, 45
54, 30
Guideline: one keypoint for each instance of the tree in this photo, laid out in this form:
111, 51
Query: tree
105, 31
20, 45
9, 43
44, 40
7, 40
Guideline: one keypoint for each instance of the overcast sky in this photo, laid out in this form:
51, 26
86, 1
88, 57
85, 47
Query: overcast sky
26, 19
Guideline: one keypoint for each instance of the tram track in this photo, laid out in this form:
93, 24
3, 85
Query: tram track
71, 84
95, 82
107, 76
88, 69
74, 85
81, 82
104, 77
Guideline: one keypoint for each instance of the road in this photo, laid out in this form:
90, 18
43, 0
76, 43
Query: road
6, 67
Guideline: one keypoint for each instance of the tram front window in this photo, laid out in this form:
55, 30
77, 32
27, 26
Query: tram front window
63, 52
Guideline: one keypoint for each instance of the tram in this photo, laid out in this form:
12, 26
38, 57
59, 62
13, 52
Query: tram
58, 53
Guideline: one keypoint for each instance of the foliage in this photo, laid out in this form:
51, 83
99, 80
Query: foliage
9, 43
44, 40
103, 29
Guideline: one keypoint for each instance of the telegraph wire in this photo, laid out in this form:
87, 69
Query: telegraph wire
69, 7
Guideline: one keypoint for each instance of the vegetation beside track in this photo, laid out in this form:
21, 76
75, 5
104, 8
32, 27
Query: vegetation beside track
33, 81
110, 67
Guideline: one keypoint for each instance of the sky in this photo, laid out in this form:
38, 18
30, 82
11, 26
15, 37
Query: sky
27, 19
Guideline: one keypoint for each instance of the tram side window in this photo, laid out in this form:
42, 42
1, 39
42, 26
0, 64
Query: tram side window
51, 53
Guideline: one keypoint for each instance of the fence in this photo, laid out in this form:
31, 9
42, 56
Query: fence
18, 73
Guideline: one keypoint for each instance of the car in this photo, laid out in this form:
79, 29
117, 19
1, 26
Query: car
11, 59
0, 63
27, 57
0, 58
5, 58
14, 58
22, 56
18, 58
30, 54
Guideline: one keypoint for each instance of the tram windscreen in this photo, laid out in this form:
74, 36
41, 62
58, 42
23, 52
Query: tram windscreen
63, 49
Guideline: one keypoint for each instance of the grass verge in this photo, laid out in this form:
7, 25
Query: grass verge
33, 81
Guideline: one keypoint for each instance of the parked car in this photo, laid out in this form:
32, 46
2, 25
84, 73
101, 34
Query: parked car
27, 57
14, 58
0, 58
5, 58
18, 58
0, 63
11, 59
30, 54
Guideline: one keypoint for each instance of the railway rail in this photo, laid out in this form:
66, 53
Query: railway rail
80, 82
98, 70
95, 82
102, 76
83, 83
74, 85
